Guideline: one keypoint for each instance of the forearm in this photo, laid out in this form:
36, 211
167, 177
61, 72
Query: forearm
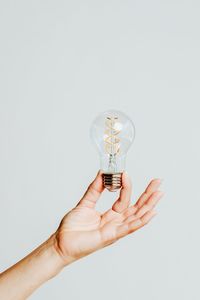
20, 281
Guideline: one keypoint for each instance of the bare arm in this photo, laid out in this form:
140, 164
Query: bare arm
19, 281
82, 231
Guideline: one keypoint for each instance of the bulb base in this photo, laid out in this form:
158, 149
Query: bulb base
112, 181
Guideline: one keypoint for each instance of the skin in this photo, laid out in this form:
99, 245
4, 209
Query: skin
82, 231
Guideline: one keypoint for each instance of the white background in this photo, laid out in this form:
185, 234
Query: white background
61, 64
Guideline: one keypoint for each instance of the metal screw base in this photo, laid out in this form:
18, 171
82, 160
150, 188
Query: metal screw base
112, 182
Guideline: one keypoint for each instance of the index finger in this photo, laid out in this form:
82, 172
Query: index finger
125, 194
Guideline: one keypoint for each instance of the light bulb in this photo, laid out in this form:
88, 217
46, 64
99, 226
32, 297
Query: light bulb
112, 133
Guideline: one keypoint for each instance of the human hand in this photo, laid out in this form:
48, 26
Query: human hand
84, 230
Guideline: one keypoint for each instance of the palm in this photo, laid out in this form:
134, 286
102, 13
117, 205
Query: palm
80, 231
84, 230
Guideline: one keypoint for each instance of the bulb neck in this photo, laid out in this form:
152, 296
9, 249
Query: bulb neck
112, 181
112, 165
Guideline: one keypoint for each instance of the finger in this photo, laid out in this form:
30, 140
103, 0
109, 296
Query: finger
149, 204
93, 192
109, 216
134, 225
130, 211
125, 194
151, 188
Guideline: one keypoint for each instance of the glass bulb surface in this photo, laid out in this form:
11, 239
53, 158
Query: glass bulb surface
112, 133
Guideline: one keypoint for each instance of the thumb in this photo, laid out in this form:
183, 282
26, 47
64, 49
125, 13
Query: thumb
93, 192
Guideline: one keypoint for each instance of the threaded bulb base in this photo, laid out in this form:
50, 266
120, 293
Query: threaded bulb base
112, 182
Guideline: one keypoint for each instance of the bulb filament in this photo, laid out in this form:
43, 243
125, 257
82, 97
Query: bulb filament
112, 141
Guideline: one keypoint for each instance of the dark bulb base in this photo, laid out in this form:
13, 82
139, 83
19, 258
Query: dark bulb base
112, 181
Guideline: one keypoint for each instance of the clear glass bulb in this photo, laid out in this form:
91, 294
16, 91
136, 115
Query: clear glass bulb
112, 133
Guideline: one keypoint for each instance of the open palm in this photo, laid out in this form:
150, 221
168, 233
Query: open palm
84, 230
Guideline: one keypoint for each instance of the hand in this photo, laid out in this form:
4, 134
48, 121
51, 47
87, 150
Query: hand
84, 230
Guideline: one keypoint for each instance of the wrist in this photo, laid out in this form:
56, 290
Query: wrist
51, 257
62, 259
27, 275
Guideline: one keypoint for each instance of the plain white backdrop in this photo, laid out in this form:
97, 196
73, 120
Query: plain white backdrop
61, 64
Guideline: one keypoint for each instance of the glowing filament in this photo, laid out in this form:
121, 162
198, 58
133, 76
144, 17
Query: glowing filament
112, 140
